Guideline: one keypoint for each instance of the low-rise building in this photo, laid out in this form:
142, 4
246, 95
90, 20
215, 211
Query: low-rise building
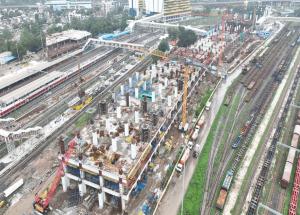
64, 42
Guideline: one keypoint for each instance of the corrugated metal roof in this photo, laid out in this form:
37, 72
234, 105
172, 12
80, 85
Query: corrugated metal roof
28, 88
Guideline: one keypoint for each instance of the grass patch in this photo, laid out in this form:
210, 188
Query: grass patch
83, 120
194, 195
202, 102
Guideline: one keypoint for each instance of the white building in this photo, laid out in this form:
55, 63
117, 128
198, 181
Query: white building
154, 6
69, 4
139, 7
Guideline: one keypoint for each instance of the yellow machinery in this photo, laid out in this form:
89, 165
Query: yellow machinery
87, 101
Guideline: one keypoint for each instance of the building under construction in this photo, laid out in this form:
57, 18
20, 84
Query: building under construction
114, 150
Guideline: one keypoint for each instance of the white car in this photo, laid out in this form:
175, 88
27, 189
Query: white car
190, 145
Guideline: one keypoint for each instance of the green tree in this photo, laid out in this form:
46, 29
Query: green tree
18, 50
186, 37
173, 33
163, 46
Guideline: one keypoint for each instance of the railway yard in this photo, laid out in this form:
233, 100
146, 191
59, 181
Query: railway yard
120, 127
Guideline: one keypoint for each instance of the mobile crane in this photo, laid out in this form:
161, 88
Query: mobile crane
42, 201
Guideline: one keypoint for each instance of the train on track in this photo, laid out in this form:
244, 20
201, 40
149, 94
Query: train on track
5, 110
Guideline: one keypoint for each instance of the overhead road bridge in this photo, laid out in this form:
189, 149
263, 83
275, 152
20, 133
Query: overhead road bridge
284, 19
124, 45
165, 26
203, 3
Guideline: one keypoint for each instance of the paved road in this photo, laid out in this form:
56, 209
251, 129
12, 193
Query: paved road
172, 200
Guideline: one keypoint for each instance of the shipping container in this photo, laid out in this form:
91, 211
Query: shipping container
291, 156
251, 85
221, 199
285, 180
295, 140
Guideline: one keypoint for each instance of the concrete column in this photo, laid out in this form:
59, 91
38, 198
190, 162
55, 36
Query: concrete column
160, 90
121, 189
137, 76
136, 117
136, 93
126, 129
82, 174
166, 82
119, 112
95, 138
82, 188
153, 96
101, 199
114, 144
101, 181
175, 91
133, 151
107, 124
169, 101
130, 82
65, 181
122, 90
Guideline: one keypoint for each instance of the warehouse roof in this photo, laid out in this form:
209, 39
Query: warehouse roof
66, 35
28, 88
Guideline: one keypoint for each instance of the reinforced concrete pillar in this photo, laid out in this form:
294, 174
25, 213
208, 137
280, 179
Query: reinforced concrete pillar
121, 189
136, 117
136, 93
119, 114
137, 76
101, 198
114, 144
133, 151
153, 96
82, 188
122, 90
175, 92
169, 101
130, 82
65, 181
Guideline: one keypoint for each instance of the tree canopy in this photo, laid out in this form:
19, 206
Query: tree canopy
185, 37
164, 45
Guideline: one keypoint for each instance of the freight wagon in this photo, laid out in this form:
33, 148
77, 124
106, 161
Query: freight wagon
224, 190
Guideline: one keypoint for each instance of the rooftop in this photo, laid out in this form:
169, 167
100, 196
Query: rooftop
28, 88
66, 35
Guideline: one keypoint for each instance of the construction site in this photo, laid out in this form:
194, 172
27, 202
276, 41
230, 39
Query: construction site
115, 125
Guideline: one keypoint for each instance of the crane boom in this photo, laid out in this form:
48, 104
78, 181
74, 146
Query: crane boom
42, 204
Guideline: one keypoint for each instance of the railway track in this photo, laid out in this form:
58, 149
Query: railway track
226, 157
271, 150
61, 106
269, 62
28, 106
6, 175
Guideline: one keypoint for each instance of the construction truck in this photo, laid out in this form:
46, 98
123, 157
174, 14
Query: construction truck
42, 200
183, 160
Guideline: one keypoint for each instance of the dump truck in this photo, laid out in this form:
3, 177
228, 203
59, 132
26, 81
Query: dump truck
183, 160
